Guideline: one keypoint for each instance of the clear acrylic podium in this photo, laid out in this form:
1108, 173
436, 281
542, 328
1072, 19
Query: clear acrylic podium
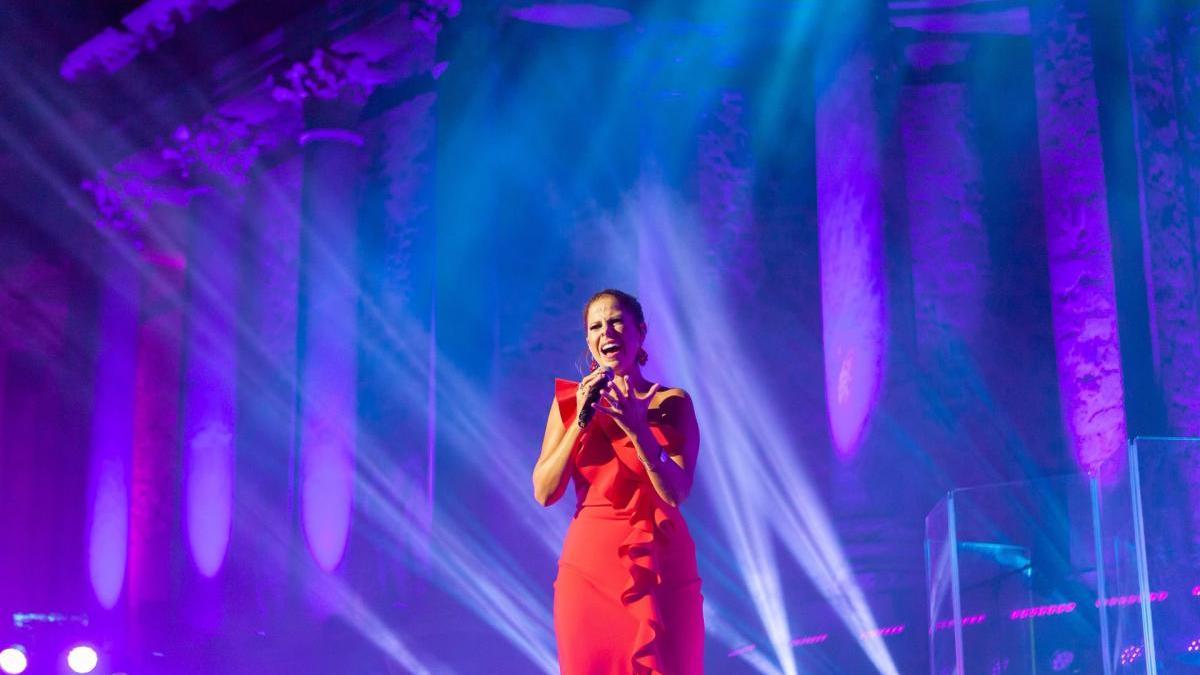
1071, 574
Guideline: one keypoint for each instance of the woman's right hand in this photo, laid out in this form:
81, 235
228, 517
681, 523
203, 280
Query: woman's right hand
594, 380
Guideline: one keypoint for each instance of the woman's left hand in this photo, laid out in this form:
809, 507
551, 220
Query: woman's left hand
627, 408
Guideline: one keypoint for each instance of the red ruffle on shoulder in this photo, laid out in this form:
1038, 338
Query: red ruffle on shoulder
564, 393
632, 497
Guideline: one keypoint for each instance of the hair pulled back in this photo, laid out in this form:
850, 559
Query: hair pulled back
628, 302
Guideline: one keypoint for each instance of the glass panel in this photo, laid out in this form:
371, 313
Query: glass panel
1165, 472
1118, 619
1041, 574
939, 583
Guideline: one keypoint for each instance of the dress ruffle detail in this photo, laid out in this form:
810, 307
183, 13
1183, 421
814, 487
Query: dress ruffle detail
637, 553
648, 524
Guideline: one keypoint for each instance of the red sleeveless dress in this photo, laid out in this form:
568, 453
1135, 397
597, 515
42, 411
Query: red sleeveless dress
627, 597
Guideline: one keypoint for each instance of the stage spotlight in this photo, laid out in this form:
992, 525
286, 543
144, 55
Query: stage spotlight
13, 661
82, 659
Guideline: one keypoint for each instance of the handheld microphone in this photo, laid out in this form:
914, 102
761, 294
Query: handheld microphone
586, 412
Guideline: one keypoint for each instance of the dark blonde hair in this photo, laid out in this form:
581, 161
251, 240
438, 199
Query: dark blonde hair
628, 302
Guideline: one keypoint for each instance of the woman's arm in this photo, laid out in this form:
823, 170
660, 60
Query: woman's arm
672, 476
550, 473
552, 468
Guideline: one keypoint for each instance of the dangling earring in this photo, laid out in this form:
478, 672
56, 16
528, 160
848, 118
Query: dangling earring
642, 357
593, 365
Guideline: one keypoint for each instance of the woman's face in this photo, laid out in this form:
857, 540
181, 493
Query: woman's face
613, 337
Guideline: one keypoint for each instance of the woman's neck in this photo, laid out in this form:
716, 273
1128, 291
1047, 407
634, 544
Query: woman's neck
636, 380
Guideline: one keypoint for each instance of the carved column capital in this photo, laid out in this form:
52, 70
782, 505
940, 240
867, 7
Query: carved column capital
324, 92
218, 150
112, 213
126, 196
324, 76
428, 16
349, 70
143, 29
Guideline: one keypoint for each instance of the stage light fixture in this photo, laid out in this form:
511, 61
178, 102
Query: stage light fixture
1062, 660
82, 659
1131, 654
745, 649
966, 621
1042, 610
1123, 600
883, 632
804, 640
13, 661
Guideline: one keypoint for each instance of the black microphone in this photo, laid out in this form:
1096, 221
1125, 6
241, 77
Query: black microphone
586, 412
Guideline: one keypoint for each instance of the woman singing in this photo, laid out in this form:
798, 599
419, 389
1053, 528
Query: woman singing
627, 597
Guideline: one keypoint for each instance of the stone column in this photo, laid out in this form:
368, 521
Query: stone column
112, 422
398, 421
1164, 47
724, 175
45, 374
135, 422
329, 292
957, 261
210, 389
1187, 69
4, 352
155, 472
850, 215
943, 184
1168, 223
853, 232
266, 536
1082, 286
399, 417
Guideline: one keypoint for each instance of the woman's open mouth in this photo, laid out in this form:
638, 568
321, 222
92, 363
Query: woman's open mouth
610, 350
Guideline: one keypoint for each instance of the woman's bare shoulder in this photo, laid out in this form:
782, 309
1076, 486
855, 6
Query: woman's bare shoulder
672, 403
666, 392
